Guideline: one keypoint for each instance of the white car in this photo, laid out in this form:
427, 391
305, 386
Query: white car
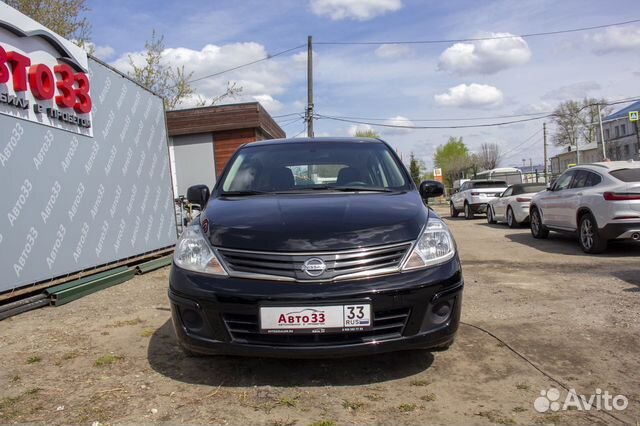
512, 206
597, 202
474, 195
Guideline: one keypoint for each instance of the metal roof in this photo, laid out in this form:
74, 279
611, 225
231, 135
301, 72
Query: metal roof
624, 112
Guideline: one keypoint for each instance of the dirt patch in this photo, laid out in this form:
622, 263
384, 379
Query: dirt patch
112, 357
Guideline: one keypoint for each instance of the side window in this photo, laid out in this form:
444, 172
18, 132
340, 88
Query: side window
508, 192
464, 187
581, 179
563, 181
593, 179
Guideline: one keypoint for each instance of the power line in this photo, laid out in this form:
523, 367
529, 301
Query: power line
545, 113
286, 115
462, 40
290, 122
398, 126
266, 58
509, 154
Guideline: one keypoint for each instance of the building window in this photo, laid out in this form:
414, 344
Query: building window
617, 131
606, 134
623, 129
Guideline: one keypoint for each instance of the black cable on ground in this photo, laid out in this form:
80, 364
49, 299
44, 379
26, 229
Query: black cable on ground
540, 370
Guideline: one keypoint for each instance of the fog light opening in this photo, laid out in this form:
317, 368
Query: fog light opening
441, 312
191, 319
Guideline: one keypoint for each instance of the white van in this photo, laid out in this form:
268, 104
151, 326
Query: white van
511, 175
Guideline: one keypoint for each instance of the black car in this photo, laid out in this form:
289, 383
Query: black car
313, 248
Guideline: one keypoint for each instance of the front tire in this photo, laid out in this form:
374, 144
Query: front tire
452, 210
538, 230
511, 219
468, 213
588, 236
490, 219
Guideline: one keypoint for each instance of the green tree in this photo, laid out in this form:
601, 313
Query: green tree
61, 16
453, 158
368, 133
416, 169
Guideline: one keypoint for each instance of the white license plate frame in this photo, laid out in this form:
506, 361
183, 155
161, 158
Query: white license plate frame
316, 319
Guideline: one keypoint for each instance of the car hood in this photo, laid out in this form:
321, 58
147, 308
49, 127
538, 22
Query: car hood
315, 222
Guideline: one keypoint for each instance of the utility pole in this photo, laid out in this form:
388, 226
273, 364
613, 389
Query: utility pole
309, 115
604, 151
544, 137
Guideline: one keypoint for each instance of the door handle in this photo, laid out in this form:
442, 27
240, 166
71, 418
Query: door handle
579, 193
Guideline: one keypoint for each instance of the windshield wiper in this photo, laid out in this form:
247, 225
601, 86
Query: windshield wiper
357, 188
243, 193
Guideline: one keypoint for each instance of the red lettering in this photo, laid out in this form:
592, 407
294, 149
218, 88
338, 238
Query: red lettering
282, 319
19, 64
305, 319
4, 71
314, 317
83, 106
67, 98
321, 317
41, 81
291, 320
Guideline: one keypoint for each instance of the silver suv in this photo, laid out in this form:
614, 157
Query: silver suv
597, 202
474, 195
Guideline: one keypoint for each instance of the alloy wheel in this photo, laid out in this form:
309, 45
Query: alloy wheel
510, 218
586, 233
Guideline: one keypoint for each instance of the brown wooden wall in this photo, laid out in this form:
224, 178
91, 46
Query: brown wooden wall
226, 143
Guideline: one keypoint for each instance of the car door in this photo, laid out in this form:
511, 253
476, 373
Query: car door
550, 203
567, 205
500, 205
458, 197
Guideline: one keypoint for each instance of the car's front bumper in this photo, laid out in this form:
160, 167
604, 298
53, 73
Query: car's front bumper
220, 315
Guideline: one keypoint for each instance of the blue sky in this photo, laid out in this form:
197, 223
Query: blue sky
397, 83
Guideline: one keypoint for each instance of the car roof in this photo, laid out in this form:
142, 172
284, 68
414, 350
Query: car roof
609, 165
313, 140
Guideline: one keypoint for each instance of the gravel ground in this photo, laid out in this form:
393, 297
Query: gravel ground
112, 358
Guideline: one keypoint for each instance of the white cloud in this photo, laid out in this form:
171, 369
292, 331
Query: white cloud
470, 95
485, 56
393, 51
260, 82
101, 52
351, 131
361, 10
614, 39
572, 91
398, 120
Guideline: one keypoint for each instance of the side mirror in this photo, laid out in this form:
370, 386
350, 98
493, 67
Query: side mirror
198, 194
431, 189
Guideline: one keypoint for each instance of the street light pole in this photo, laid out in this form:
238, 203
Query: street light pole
604, 151
309, 115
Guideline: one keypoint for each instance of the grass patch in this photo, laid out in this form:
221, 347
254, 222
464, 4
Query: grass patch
16, 378
122, 323
523, 386
287, 422
10, 405
108, 360
323, 423
519, 409
352, 405
430, 397
374, 397
288, 402
33, 359
407, 408
420, 382
69, 355
147, 332
497, 418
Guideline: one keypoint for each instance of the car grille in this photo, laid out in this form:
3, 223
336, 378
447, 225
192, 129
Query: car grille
339, 264
386, 325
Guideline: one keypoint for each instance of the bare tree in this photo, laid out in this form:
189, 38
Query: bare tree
489, 156
172, 83
61, 16
576, 121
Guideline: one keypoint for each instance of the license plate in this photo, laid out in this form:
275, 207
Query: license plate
315, 319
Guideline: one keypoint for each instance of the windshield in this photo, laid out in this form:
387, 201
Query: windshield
307, 166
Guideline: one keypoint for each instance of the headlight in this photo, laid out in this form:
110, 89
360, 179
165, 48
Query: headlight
194, 253
435, 245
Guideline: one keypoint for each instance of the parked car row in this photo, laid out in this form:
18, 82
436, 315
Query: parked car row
597, 203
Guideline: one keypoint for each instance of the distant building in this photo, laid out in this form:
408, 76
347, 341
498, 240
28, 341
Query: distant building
589, 153
621, 135
621, 138
202, 140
